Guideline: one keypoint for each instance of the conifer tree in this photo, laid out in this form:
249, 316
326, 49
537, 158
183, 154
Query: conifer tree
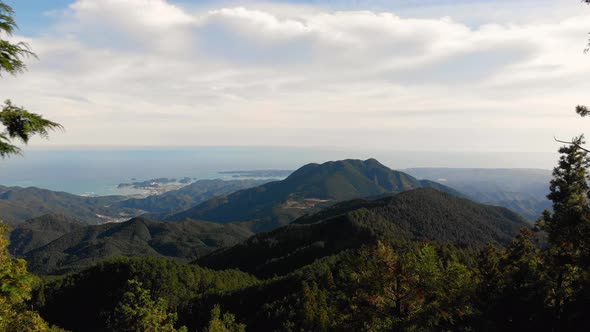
19, 124
568, 228
223, 323
137, 311
15, 289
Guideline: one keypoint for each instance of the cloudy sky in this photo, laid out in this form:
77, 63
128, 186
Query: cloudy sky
436, 75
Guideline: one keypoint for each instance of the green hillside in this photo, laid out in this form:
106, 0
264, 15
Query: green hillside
84, 246
21, 204
415, 215
310, 188
37, 232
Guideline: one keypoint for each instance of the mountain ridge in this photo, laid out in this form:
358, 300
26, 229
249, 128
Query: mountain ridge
423, 214
310, 188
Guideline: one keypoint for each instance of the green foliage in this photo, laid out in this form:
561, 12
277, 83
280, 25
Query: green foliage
512, 286
568, 226
568, 229
21, 124
411, 291
15, 290
223, 323
316, 311
11, 54
138, 312
84, 301
18, 122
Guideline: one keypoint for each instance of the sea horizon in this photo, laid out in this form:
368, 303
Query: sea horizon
98, 171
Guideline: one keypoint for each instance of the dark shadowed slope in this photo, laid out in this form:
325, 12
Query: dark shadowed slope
422, 214
82, 247
37, 232
311, 187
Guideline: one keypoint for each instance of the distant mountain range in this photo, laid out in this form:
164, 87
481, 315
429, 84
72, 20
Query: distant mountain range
521, 190
308, 189
21, 204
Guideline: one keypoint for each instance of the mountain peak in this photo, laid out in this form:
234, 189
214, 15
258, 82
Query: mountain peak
309, 188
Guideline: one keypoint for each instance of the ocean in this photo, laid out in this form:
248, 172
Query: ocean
96, 171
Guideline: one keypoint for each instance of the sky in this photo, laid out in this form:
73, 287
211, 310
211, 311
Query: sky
420, 75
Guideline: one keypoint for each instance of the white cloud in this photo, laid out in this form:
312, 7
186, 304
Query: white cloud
147, 72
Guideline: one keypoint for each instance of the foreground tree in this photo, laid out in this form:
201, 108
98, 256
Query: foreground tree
19, 124
15, 289
223, 323
409, 291
568, 224
137, 311
568, 231
16, 282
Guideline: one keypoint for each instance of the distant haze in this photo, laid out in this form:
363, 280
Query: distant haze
98, 171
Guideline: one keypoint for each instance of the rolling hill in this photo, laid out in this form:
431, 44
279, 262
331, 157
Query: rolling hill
310, 188
415, 215
37, 232
85, 245
20, 204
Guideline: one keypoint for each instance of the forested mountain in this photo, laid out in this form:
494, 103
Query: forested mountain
85, 245
56, 244
320, 249
521, 190
188, 196
310, 188
415, 215
37, 232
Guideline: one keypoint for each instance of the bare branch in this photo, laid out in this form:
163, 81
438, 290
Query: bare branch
572, 143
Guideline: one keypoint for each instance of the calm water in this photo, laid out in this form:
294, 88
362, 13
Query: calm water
99, 171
